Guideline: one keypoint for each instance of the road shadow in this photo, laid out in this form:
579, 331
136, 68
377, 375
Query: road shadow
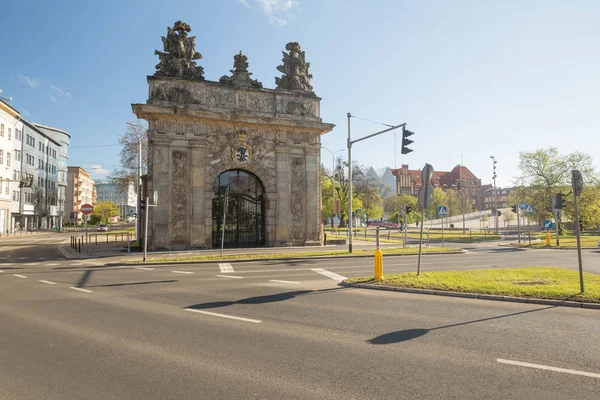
410, 334
272, 298
134, 283
507, 250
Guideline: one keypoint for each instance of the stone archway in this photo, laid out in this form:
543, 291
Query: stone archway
238, 210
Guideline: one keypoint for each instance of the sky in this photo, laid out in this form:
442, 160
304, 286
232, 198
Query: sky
472, 79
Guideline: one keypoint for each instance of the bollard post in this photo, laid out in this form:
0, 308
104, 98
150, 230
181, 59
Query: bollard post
378, 259
96, 239
470, 233
79, 246
324, 239
547, 238
365, 232
107, 238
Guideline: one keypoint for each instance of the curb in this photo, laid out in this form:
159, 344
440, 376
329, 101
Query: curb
124, 263
516, 246
562, 303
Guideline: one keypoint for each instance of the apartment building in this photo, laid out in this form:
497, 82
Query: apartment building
80, 190
10, 128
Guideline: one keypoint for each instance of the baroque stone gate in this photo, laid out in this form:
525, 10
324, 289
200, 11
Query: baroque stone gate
268, 140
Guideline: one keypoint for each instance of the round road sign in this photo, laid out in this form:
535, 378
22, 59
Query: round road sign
86, 209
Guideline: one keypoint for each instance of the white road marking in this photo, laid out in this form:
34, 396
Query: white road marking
255, 321
32, 264
48, 282
41, 259
5, 264
230, 276
20, 276
1, 271
182, 272
275, 280
548, 368
329, 274
52, 264
80, 289
74, 265
23, 258
145, 268
226, 268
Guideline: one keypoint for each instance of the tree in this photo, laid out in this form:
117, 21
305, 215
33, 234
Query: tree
372, 203
104, 209
326, 197
361, 183
129, 155
545, 172
508, 217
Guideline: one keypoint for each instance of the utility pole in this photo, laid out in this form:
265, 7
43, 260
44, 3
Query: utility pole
138, 220
495, 194
349, 144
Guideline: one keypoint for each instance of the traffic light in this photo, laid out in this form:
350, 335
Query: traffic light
408, 209
498, 213
559, 201
406, 141
514, 209
458, 186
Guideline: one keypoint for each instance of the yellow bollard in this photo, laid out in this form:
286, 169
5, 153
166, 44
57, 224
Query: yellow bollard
378, 265
547, 238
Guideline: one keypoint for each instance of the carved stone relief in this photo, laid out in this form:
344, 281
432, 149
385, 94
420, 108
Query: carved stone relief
179, 198
220, 98
260, 102
298, 229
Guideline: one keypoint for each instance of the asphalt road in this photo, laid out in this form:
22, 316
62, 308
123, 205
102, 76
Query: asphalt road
281, 330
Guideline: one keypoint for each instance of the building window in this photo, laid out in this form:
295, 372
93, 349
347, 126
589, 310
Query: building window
40, 164
7, 188
53, 153
18, 135
15, 195
9, 133
1, 129
1, 156
8, 159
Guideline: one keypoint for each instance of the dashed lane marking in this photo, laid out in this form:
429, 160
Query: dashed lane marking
1, 271
230, 276
182, 272
34, 263
22, 258
254, 321
47, 282
52, 264
80, 289
226, 268
20, 276
548, 368
145, 268
329, 274
278, 281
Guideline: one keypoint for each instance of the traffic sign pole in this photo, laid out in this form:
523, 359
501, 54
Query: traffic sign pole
442, 232
576, 191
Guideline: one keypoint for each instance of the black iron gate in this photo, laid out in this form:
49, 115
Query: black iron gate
245, 216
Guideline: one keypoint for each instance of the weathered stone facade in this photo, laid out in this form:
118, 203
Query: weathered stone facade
194, 129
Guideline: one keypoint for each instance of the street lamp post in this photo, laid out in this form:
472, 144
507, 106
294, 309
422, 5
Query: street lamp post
333, 153
495, 194
138, 221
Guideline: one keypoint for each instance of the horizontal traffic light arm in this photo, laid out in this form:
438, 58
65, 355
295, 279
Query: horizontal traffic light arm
351, 142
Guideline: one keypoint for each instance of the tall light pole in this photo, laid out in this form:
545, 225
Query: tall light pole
138, 220
333, 153
495, 194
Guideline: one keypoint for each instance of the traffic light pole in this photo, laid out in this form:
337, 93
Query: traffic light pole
349, 144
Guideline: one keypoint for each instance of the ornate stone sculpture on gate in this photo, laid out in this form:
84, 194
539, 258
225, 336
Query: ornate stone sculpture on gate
180, 53
294, 70
240, 75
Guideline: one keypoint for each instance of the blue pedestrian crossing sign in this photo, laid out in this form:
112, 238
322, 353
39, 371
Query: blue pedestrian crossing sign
548, 224
442, 211
522, 205
529, 209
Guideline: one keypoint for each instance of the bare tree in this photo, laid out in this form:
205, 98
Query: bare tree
129, 155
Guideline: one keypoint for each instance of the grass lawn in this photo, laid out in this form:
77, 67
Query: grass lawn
307, 254
567, 242
539, 282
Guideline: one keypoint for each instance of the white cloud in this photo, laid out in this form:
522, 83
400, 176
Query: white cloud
60, 91
97, 170
277, 11
28, 80
53, 99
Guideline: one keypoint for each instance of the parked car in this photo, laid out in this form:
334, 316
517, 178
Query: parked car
103, 228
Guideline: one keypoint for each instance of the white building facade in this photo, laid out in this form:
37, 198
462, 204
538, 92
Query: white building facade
125, 198
29, 173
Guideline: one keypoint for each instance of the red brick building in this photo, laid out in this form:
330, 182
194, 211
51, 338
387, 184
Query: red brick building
408, 181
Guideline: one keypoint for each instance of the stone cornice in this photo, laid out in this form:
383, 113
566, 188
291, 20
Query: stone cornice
146, 111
